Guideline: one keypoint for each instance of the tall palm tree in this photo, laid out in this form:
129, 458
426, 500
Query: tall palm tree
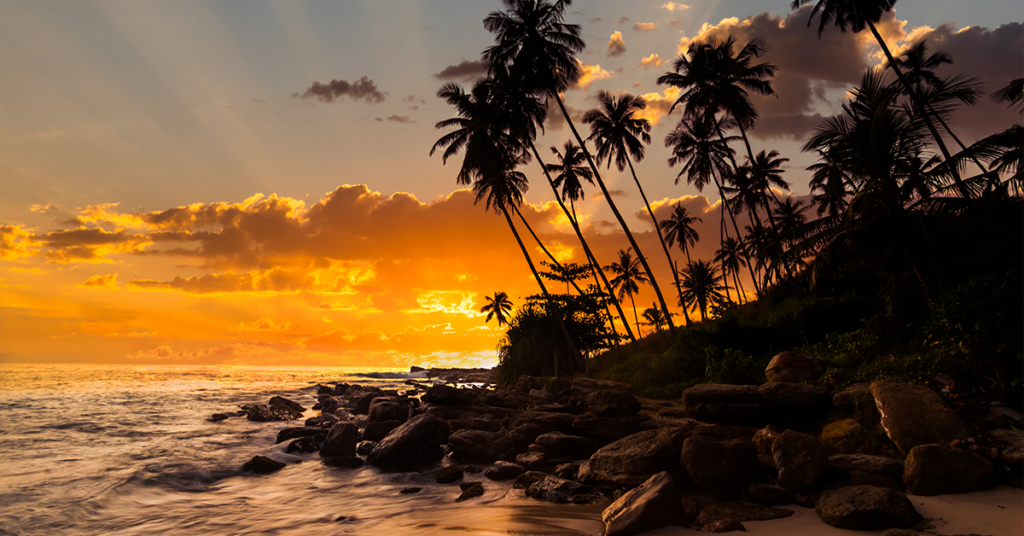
628, 278
832, 180
701, 287
539, 50
618, 134
498, 306
858, 15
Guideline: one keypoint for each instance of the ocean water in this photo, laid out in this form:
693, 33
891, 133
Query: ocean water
128, 450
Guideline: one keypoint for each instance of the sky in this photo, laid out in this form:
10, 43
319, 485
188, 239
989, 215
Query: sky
214, 182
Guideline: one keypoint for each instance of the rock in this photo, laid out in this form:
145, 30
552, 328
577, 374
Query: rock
567, 470
504, 471
866, 508
721, 466
790, 367
724, 431
860, 478
528, 478
509, 445
323, 390
365, 447
941, 470
1011, 442
1004, 417
652, 505
483, 421
534, 423
277, 412
341, 389
914, 415
612, 403
284, 402
768, 494
291, 433
322, 421
449, 474
842, 465
388, 409
470, 490
764, 438
568, 445
408, 491
474, 444
534, 461
795, 405
725, 404
361, 402
262, 465
582, 386
305, 445
341, 441
605, 430
715, 511
446, 395
841, 429
556, 490
329, 405
857, 400
723, 525
375, 431
541, 395
217, 417
633, 459
416, 441
801, 460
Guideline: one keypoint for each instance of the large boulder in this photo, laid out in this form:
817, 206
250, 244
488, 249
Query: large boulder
567, 445
446, 395
612, 403
375, 431
361, 401
721, 466
654, 504
914, 415
604, 430
474, 444
388, 409
841, 466
341, 441
504, 471
1011, 453
858, 401
790, 367
941, 470
556, 490
866, 508
531, 424
633, 459
418, 440
801, 460
726, 404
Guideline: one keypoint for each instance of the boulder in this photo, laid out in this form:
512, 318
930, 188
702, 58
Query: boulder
720, 466
914, 415
305, 445
567, 470
532, 460
1004, 417
262, 465
388, 409
418, 440
509, 445
534, 423
841, 429
365, 447
341, 441
361, 401
328, 404
841, 466
604, 430
446, 395
528, 478
866, 508
324, 389
652, 505
858, 401
284, 402
726, 404
292, 433
474, 444
712, 512
375, 431
449, 474
612, 403
470, 490
860, 478
504, 471
801, 460
1011, 443
795, 405
790, 367
764, 438
567, 445
768, 494
217, 417
265, 413
556, 490
633, 459
323, 421
941, 470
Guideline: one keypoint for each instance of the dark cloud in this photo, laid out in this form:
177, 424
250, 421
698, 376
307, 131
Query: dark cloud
465, 71
364, 89
620, 20
555, 120
400, 119
613, 193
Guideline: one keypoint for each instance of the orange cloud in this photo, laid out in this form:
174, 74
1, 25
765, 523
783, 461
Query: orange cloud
651, 61
591, 73
100, 281
645, 26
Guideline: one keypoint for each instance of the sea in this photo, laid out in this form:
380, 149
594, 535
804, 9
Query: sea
129, 450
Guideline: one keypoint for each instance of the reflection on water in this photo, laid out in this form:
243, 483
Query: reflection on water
128, 450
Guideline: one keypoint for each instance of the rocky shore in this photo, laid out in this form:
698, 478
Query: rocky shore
760, 451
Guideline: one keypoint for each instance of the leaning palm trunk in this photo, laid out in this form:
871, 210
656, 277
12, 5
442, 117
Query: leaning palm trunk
586, 248
661, 238
549, 305
725, 205
618, 216
557, 264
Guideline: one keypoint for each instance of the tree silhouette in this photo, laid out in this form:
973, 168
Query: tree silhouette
701, 287
498, 306
628, 278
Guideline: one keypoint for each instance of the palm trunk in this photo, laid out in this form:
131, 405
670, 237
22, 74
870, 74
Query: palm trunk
661, 237
916, 99
723, 231
557, 264
618, 216
739, 285
725, 205
549, 305
637, 318
586, 248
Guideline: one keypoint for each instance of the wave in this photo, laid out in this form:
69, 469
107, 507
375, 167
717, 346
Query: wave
392, 375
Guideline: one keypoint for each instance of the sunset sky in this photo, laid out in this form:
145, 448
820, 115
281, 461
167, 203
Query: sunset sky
214, 182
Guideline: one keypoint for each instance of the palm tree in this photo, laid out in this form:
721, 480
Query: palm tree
628, 278
571, 170
701, 287
539, 50
679, 228
654, 317
833, 181
498, 306
730, 256
618, 134
861, 14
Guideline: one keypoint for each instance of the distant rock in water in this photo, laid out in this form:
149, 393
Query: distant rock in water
262, 465
279, 409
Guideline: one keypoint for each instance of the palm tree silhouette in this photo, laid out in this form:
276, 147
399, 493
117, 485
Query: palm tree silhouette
618, 134
679, 228
730, 256
498, 306
834, 183
654, 317
539, 50
701, 287
628, 278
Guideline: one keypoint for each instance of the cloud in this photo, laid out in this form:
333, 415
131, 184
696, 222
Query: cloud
645, 27
338, 278
100, 281
364, 89
18, 242
263, 324
555, 120
400, 119
40, 208
620, 20
589, 73
651, 61
616, 46
465, 71
613, 193
672, 6
658, 104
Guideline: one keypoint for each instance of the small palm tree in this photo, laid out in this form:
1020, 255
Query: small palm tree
628, 278
570, 172
730, 256
701, 287
497, 306
679, 228
654, 317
